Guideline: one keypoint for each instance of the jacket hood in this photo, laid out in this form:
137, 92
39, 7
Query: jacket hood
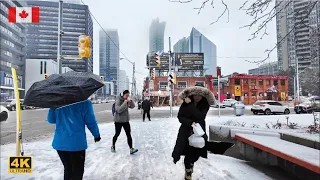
197, 90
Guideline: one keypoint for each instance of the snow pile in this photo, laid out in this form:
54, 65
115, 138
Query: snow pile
155, 141
293, 123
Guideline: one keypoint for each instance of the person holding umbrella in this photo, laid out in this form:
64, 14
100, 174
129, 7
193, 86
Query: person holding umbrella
122, 118
70, 136
70, 110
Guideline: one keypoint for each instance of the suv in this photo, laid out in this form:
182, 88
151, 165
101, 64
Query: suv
269, 107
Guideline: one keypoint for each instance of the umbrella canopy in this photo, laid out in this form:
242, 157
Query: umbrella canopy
198, 90
62, 89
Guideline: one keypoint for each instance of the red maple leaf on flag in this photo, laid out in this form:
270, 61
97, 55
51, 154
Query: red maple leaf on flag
23, 14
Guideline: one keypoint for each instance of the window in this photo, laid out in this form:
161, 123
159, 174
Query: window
261, 94
261, 82
237, 81
267, 82
253, 94
282, 82
45, 67
246, 94
163, 84
253, 82
200, 83
245, 81
182, 84
41, 66
275, 82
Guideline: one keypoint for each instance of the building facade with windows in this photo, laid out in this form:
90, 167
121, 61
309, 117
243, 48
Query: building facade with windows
122, 80
251, 88
109, 56
182, 46
12, 51
42, 39
37, 68
298, 33
265, 69
156, 35
161, 83
198, 43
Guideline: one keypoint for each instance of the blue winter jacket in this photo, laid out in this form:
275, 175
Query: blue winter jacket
70, 134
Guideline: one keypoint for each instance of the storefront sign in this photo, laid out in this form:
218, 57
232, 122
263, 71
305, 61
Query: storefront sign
246, 76
237, 90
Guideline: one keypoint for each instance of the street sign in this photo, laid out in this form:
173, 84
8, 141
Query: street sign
151, 85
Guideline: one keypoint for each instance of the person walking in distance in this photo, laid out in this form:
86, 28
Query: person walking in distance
122, 118
146, 106
70, 135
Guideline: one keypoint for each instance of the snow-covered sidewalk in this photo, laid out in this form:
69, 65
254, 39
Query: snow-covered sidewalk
298, 123
155, 141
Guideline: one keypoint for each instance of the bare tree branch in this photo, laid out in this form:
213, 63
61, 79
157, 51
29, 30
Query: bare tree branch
262, 15
269, 51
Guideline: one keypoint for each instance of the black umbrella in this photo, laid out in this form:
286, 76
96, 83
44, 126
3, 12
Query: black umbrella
62, 89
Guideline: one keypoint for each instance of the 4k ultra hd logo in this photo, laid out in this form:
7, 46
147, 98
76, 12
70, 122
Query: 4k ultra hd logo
20, 164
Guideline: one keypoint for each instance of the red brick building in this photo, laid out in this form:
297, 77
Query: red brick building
250, 88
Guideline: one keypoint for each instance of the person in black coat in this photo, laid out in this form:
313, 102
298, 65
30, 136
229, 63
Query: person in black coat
146, 106
197, 101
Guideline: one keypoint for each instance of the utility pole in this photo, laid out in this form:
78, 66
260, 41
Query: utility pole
60, 32
149, 77
133, 86
170, 85
297, 79
219, 94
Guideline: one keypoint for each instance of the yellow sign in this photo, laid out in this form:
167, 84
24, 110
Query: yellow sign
18, 110
237, 91
283, 96
20, 165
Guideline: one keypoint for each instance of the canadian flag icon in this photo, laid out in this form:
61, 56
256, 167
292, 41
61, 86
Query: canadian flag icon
24, 14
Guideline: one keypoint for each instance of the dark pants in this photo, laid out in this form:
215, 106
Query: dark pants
73, 162
189, 161
144, 114
127, 129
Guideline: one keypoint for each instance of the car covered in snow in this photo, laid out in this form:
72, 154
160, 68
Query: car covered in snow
269, 107
4, 113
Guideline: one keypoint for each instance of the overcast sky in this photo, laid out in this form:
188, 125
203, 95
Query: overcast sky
132, 18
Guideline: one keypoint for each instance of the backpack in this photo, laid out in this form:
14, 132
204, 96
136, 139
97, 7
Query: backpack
113, 108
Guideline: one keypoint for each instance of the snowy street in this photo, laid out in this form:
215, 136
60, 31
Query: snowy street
155, 141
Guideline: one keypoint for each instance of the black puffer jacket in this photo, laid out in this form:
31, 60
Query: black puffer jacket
189, 113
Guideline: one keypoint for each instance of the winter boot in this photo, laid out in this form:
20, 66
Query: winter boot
133, 150
188, 174
113, 149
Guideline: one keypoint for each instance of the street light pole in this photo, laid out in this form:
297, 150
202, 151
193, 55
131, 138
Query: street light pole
59, 50
170, 86
133, 88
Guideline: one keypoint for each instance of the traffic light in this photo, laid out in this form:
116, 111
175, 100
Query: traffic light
84, 48
153, 73
46, 76
157, 58
172, 78
102, 78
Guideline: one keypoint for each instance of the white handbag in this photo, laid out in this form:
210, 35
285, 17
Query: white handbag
197, 130
196, 141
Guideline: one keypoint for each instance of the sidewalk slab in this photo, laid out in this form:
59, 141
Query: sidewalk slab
155, 141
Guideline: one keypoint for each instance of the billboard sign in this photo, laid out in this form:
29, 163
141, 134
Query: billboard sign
183, 61
189, 61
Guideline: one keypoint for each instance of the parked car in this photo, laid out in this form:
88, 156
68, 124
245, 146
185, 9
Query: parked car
220, 104
11, 104
229, 102
4, 113
304, 107
269, 107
